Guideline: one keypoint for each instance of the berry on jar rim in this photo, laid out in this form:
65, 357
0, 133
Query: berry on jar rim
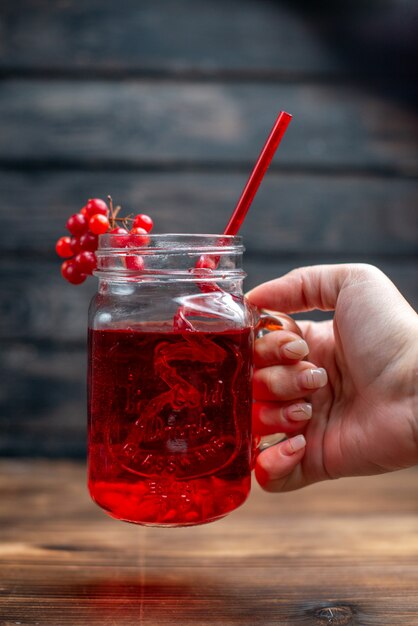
94, 219
143, 221
99, 224
134, 262
138, 237
118, 230
122, 239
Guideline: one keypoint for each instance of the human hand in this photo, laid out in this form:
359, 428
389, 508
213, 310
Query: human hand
365, 416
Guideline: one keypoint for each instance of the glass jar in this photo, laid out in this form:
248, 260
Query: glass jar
170, 362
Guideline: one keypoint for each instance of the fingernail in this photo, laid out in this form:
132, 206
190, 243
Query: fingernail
295, 444
296, 349
313, 379
299, 412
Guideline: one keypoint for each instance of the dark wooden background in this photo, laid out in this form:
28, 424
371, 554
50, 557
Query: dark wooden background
165, 104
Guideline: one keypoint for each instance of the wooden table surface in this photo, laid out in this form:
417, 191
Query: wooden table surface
344, 552
165, 104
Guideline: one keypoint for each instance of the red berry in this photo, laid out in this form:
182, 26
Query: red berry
143, 221
122, 239
139, 237
84, 211
75, 244
118, 231
86, 262
95, 206
89, 241
134, 262
70, 272
99, 224
63, 247
77, 224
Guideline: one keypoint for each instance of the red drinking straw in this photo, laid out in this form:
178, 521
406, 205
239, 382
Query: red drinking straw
250, 189
258, 173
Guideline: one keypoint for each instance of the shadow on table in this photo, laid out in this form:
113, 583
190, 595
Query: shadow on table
187, 598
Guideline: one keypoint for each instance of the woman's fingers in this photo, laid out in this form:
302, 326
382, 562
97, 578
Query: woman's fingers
275, 417
287, 382
278, 347
279, 468
281, 381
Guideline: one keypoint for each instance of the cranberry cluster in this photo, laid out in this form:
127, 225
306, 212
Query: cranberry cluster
95, 219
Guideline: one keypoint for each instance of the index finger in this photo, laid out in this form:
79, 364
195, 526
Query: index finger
279, 347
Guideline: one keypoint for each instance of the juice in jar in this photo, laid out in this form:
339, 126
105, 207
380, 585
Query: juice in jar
169, 423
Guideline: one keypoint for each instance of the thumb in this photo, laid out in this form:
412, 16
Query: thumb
302, 289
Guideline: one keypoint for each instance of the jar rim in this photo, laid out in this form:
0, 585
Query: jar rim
183, 236
171, 244
174, 241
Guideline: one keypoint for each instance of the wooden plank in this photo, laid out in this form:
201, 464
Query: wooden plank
74, 596
43, 400
292, 213
154, 35
348, 545
37, 304
155, 124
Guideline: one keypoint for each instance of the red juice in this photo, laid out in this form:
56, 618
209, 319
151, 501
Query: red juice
169, 423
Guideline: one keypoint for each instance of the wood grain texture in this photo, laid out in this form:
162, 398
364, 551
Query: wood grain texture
293, 214
43, 403
345, 549
160, 35
144, 122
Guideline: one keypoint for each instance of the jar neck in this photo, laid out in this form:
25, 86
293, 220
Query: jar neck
212, 262
176, 288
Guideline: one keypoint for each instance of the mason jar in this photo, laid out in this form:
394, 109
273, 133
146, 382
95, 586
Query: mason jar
169, 387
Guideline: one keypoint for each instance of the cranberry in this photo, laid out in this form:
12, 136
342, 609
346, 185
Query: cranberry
139, 237
70, 272
122, 239
134, 263
63, 247
95, 206
118, 231
89, 241
86, 262
99, 224
75, 244
143, 221
92, 220
77, 224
